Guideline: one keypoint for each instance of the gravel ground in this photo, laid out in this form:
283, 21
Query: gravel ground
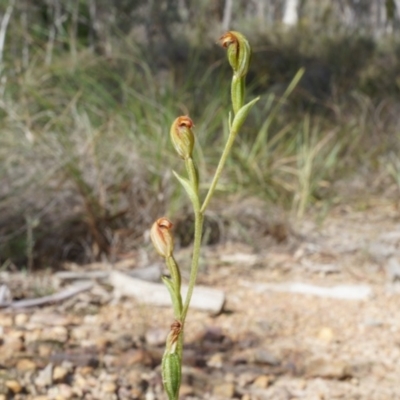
268, 343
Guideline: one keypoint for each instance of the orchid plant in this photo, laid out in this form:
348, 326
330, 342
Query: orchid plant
182, 137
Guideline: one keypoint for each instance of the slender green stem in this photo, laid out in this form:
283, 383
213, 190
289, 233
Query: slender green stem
193, 174
176, 297
237, 93
224, 156
174, 271
198, 230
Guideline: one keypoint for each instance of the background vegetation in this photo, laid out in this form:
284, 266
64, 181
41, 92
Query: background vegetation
88, 90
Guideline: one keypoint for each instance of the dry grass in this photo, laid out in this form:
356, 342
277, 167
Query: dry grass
84, 143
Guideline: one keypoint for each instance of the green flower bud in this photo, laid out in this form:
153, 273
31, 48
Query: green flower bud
172, 374
161, 237
172, 362
238, 51
182, 136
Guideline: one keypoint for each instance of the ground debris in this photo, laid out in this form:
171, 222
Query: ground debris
306, 343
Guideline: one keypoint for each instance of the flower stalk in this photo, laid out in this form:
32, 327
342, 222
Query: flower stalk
183, 139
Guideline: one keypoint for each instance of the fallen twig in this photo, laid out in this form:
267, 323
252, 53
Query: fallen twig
53, 298
74, 275
151, 273
206, 299
350, 292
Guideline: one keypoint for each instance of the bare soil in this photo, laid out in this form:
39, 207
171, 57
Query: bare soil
266, 344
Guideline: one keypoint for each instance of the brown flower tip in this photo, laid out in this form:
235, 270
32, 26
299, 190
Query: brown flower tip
184, 122
162, 238
182, 136
227, 39
173, 336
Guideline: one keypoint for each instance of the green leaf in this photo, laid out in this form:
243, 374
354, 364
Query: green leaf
175, 297
191, 192
241, 115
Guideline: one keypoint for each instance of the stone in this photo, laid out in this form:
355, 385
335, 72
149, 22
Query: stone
7, 357
263, 381
242, 357
25, 364
123, 342
105, 376
45, 376
32, 336
191, 358
18, 334
45, 350
216, 361
101, 342
56, 333
136, 356
91, 319
85, 370
393, 269
110, 360
301, 384
123, 393
13, 343
246, 378
49, 319
263, 356
21, 319
6, 320
329, 369
14, 386
156, 336
136, 394
60, 374
230, 377
185, 390
61, 392
224, 390
68, 365
80, 381
326, 334
134, 377
109, 387
80, 333
79, 392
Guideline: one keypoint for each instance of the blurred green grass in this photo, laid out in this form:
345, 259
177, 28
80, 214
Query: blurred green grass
84, 149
